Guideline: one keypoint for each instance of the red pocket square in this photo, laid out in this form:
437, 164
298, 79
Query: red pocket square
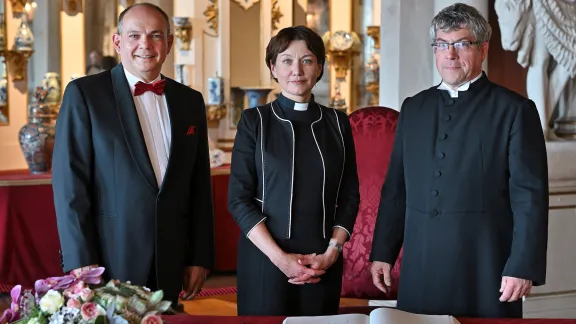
191, 130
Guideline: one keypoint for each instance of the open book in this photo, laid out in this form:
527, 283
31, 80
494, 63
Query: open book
377, 316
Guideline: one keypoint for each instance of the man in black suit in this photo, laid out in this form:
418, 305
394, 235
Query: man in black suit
466, 193
131, 171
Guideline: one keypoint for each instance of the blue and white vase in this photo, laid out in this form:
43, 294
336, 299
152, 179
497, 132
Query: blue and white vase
24, 40
215, 90
37, 136
257, 96
51, 83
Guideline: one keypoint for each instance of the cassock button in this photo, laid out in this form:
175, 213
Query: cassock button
447, 118
450, 102
434, 193
437, 174
434, 213
440, 155
444, 136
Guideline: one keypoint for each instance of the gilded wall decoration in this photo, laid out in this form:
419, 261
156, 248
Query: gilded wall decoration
276, 14
246, 4
211, 14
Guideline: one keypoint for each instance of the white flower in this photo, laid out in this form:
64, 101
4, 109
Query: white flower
51, 302
33, 320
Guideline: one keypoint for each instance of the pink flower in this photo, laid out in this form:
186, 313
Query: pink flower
90, 311
74, 290
86, 294
91, 277
9, 316
54, 283
73, 303
15, 296
152, 319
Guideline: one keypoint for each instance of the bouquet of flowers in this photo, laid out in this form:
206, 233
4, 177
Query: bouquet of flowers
82, 299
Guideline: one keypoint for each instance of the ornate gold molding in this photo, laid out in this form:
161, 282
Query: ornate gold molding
374, 32
182, 32
214, 113
17, 62
246, 4
72, 7
276, 14
17, 6
211, 14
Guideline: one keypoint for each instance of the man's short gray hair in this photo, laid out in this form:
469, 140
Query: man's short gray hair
147, 4
458, 16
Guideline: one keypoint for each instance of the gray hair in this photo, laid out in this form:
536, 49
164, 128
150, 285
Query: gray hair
458, 16
149, 5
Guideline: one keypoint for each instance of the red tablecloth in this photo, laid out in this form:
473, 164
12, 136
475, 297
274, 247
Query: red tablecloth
191, 319
29, 243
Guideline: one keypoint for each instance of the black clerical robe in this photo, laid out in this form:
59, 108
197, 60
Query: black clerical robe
466, 194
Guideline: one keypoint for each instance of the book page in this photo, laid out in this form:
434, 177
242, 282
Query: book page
334, 319
395, 316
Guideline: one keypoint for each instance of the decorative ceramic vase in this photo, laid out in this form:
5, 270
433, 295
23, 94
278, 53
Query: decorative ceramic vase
372, 69
3, 89
51, 83
24, 39
181, 75
37, 136
215, 90
257, 96
2, 34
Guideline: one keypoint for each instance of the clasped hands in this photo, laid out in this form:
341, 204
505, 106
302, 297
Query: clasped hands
305, 268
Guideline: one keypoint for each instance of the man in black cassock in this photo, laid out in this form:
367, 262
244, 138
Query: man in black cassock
466, 192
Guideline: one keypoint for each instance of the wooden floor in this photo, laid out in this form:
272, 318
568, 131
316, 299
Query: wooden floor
225, 305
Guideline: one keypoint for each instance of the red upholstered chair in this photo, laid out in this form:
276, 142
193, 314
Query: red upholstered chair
373, 129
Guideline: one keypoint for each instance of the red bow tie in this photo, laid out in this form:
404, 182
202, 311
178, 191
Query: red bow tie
156, 87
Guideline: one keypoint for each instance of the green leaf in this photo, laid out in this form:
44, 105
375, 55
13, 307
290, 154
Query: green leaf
137, 305
156, 297
101, 320
163, 306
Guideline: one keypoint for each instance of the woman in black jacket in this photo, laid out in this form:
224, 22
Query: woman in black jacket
293, 189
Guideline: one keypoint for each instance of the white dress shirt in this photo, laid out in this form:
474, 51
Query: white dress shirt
454, 93
155, 123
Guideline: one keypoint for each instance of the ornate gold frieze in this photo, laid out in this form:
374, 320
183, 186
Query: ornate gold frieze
211, 14
17, 6
276, 14
246, 4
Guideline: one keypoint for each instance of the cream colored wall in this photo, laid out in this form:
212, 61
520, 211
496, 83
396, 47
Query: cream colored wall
341, 19
245, 50
11, 156
72, 56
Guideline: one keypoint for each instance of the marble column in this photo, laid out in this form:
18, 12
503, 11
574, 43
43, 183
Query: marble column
407, 63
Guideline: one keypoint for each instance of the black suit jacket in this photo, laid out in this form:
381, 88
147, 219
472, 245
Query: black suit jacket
110, 210
466, 196
261, 174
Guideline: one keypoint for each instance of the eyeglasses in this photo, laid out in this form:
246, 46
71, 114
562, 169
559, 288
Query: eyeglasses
458, 46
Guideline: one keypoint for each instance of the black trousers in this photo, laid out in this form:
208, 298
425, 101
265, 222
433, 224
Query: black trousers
152, 283
264, 290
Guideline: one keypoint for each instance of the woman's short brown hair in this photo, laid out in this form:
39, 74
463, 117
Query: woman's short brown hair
282, 40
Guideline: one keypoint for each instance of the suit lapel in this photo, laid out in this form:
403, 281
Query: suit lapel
175, 121
131, 126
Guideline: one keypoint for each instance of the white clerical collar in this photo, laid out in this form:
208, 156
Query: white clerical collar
454, 93
301, 106
132, 79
